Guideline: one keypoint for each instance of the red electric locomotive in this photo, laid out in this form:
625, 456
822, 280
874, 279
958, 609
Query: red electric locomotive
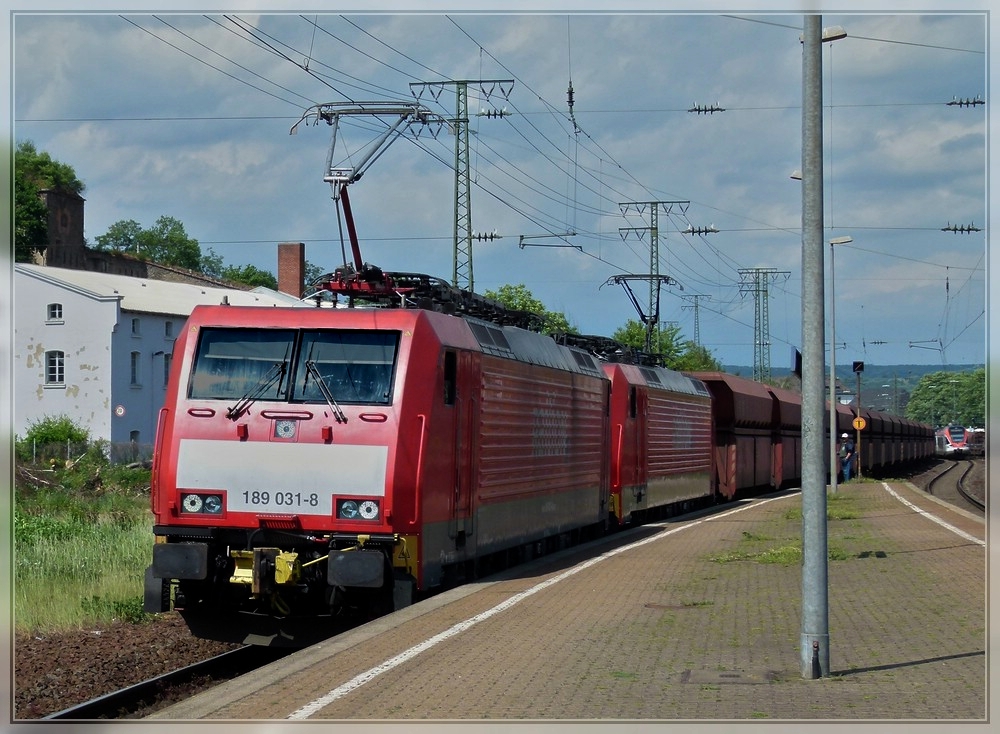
313, 460
660, 443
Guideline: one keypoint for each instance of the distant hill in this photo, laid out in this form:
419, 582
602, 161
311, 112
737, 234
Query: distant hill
910, 373
883, 387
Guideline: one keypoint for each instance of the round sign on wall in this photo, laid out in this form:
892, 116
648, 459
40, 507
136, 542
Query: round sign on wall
119, 410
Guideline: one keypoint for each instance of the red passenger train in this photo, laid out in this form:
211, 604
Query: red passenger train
952, 441
314, 461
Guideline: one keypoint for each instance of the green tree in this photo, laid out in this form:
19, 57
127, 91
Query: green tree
519, 298
250, 275
677, 354
697, 358
33, 172
165, 242
31, 234
211, 264
43, 172
942, 398
312, 274
121, 237
633, 334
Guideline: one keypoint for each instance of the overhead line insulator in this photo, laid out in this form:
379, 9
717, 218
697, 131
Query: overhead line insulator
706, 109
710, 229
956, 102
961, 228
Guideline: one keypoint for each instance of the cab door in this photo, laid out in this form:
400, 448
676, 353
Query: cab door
641, 448
461, 379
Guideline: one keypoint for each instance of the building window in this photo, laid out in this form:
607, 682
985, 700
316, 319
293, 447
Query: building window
54, 312
168, 329
135, 368
55, 368
166, 368
135, 327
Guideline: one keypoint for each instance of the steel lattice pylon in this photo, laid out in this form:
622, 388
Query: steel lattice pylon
694, 305
755, 280
653, 207
462, 276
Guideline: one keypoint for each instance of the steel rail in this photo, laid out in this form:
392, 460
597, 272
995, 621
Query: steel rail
117, 704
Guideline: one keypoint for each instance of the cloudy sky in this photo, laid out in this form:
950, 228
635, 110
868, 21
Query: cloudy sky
188, 116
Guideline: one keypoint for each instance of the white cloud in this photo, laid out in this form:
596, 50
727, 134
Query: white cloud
165, 133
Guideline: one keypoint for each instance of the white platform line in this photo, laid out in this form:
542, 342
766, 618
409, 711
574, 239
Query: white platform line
934, 518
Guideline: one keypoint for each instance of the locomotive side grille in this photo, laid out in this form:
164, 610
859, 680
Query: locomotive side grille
650, 375
491, 339
585, 360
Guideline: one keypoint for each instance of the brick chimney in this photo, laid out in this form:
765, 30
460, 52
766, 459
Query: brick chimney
291, 267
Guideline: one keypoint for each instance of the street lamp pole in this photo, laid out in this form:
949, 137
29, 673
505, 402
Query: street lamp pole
814, 647
833, 362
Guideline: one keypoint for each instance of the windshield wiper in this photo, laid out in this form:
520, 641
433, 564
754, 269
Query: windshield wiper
311, 369
274, 375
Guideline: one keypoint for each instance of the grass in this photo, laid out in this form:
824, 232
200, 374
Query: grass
758, 547
82, 541
838, 507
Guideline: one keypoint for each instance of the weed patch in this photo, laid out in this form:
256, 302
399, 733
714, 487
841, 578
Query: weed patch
82, 539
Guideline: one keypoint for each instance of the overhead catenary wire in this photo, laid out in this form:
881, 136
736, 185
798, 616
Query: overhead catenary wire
502, 182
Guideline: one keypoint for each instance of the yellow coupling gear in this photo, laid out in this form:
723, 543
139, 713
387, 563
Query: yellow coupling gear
263, 569
286, 568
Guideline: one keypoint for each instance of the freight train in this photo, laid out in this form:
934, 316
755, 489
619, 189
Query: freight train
317, 462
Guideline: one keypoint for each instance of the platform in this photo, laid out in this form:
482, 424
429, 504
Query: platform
697, 619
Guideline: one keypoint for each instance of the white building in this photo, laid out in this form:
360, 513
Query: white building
97, 347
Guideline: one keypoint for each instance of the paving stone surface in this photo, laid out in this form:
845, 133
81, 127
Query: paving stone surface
692, 620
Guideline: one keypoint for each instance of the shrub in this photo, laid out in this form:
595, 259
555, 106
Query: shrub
56, 429
52, 438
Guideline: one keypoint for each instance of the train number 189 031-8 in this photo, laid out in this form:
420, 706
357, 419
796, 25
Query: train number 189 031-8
257, 500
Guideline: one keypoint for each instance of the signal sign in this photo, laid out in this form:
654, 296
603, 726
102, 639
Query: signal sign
859, 423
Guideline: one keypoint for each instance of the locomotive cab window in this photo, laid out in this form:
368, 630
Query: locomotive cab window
354, 366
232, 362
295, 365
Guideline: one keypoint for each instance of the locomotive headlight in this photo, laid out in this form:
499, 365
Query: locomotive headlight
369, 510
284, 428
357, 510
204, 504
192, 503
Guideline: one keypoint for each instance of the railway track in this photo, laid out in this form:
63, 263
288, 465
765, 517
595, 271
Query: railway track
143, 697
950, 485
